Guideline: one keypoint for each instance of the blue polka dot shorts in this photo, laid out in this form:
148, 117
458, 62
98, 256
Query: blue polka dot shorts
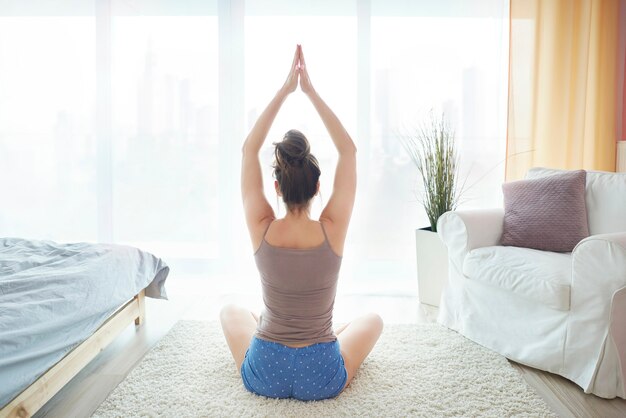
309, 373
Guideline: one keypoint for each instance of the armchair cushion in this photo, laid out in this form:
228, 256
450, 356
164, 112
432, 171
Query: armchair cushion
546, 213
605, 197
540, 276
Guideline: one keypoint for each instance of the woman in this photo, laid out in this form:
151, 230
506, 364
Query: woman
291, 350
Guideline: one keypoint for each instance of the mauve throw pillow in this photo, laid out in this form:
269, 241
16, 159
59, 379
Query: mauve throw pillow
546, 213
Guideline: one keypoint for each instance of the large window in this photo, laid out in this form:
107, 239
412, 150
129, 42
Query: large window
441, 59
122, 121
47, 133
165, 125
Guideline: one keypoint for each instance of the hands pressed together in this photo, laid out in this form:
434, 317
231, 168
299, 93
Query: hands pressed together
298, 74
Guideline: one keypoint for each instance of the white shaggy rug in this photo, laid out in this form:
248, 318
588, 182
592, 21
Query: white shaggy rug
420, 370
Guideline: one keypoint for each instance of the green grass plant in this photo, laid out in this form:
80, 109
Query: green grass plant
433, 150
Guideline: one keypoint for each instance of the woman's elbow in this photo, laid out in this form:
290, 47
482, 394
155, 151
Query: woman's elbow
349, 149
245, 148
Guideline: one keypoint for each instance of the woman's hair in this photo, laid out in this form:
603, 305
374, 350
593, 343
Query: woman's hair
296, 170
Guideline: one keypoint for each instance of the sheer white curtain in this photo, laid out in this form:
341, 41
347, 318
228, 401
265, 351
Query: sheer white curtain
122, 120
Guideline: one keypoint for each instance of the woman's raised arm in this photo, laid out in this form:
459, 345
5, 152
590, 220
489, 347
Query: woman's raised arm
339, 207
256, 207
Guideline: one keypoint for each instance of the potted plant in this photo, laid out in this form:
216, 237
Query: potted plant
433, 150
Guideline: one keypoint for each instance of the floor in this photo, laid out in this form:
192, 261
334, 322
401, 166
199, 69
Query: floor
197, 298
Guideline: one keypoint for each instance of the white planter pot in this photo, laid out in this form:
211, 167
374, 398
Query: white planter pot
432, 266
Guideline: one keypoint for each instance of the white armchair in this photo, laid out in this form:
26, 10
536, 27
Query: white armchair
560, 312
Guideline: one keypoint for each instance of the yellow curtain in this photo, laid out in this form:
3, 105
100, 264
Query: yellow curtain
562, 85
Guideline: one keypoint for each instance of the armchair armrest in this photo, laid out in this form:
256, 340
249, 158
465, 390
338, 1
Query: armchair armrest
599, 261
462, 231
597, 289
618, 238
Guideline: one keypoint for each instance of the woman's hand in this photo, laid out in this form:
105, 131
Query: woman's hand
292, 79
305, 81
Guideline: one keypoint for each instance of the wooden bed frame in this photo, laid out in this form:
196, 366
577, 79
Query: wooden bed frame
37, 394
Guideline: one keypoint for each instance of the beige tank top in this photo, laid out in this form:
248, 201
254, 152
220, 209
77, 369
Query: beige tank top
299, 287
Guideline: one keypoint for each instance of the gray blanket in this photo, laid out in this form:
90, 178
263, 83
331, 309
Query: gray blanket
53, 296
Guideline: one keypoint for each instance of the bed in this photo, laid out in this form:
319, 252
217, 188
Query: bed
60, 305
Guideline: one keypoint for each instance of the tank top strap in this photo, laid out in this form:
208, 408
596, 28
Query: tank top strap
267, 228
324, 231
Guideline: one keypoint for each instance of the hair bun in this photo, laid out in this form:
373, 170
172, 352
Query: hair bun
293, 149
296, 170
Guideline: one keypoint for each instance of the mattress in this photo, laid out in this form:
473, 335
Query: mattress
54, 296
